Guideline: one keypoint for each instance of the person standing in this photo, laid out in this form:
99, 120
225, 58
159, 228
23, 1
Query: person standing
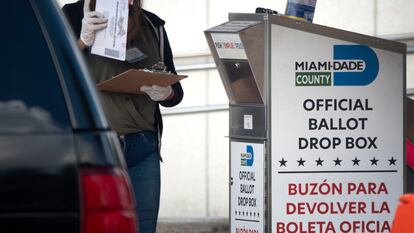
136, 118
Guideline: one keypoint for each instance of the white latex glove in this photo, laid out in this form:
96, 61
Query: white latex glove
157, 93
92, 21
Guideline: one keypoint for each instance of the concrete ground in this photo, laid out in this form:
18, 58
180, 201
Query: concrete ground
193, 226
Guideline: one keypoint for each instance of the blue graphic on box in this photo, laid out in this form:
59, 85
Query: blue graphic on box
352, 65
247, 158
356, 52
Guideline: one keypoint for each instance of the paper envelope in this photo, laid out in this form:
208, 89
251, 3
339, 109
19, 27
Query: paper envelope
131, 80
111, 41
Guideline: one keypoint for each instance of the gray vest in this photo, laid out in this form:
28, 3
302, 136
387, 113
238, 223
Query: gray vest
128, 113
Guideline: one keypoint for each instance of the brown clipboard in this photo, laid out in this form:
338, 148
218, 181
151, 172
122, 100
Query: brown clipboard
131, 80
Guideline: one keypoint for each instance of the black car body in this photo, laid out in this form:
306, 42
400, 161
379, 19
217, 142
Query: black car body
61, 167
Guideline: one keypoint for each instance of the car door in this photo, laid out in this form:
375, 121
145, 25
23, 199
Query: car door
38, 162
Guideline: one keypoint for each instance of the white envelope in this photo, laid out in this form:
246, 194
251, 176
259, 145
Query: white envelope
111, 41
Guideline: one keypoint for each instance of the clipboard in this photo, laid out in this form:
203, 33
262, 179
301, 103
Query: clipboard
131, 81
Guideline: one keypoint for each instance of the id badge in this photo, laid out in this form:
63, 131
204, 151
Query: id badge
134, 55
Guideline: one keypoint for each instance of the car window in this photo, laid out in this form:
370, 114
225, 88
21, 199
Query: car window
31, 97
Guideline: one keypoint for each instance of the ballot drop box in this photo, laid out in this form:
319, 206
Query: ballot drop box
316, 125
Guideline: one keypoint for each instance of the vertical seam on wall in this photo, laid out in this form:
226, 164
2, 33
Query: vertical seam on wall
375, 17
207, 164
207, 151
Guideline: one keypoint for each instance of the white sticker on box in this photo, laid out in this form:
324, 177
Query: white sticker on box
247, 187
229, 46
248, 122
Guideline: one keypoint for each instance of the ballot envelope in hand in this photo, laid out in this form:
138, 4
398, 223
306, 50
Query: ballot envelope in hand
131, 81
111, 41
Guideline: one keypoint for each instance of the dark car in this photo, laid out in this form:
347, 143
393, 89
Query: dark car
61, 167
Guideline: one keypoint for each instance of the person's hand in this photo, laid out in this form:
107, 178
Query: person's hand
92, 21
157, 93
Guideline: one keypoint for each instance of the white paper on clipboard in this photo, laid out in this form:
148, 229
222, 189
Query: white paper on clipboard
111, 41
